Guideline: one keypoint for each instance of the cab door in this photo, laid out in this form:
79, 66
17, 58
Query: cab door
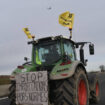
69, 50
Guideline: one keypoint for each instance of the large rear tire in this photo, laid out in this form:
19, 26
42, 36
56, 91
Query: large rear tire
12, 94
71, 91
94, 88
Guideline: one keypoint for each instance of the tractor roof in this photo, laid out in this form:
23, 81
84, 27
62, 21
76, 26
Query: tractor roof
53, 38
48, 39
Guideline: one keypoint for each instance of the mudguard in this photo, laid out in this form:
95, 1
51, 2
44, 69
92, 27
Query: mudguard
68, 71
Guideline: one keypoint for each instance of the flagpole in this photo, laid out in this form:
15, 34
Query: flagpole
70, 29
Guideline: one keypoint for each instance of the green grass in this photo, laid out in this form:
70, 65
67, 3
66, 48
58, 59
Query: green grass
4, 79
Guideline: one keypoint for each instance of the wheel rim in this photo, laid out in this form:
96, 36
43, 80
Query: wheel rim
82, 93
97, 89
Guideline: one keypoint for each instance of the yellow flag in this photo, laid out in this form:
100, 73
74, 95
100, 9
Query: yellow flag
27, 32
67, 19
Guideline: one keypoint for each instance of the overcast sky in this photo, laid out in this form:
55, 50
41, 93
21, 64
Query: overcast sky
89, 25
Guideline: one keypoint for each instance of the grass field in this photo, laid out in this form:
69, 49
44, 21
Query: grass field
4, 79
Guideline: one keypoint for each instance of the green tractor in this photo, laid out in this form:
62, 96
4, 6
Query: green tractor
68, 81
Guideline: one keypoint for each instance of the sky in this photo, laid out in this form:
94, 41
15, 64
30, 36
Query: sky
89, 25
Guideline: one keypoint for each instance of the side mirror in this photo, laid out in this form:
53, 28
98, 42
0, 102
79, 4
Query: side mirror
91, 49
26, 59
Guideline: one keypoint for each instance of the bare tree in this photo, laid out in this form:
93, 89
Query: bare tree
102, 68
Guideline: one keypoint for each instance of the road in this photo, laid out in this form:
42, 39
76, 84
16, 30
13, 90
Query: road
4, 101
102, 91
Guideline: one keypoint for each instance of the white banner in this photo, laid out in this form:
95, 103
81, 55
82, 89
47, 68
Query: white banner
32, 88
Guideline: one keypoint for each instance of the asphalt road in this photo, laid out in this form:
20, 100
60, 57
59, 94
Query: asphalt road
102, 92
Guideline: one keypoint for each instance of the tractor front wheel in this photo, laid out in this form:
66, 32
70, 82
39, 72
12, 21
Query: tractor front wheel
12, 94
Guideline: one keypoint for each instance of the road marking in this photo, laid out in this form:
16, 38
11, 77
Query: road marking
3, 98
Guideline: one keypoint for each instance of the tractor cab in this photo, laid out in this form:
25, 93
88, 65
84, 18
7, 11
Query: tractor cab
50, 50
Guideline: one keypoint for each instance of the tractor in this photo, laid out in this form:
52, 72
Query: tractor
68, 81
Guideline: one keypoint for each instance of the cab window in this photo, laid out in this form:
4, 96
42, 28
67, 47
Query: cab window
69, 50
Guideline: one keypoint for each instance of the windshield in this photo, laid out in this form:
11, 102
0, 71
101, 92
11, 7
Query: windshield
47, 53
